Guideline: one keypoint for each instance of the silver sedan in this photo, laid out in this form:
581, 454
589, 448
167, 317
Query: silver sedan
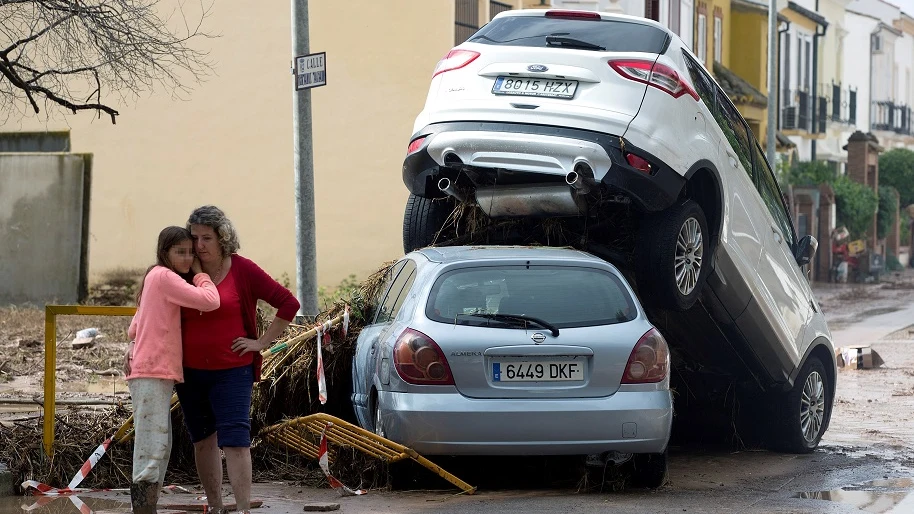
514, 351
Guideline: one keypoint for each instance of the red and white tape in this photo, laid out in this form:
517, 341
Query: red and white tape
321, 379
72, 487
82, 507
346, 322
89, 464
46, 490
324, 460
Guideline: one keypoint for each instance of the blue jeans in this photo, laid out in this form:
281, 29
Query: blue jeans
218, 401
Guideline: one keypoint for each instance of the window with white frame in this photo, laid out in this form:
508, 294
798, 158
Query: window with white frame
718, 38
702, 47
804, 62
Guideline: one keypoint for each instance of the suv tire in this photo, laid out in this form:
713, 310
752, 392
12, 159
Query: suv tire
676, 236
423, 219
805, 409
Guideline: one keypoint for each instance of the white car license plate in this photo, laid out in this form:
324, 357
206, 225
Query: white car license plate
550, 88
539, 371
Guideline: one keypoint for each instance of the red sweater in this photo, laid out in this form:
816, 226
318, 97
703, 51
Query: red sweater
210, 333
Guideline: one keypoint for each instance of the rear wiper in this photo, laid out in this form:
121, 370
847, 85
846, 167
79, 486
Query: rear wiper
571, 42
517, 317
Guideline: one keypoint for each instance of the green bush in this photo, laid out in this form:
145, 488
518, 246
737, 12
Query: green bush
892, 263
348, 287
855, 205
896, 169
811, 173
905, 228
888, 207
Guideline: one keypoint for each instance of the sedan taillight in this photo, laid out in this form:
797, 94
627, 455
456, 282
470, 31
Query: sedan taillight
649, 361
419, 360
454, 60
654, 74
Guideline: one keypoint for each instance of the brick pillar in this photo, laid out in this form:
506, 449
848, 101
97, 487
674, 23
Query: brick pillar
863, 167
857, 148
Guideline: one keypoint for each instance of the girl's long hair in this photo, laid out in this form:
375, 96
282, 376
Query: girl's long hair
168, 237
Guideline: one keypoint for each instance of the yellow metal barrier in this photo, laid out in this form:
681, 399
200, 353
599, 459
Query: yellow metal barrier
50, 356
303, 435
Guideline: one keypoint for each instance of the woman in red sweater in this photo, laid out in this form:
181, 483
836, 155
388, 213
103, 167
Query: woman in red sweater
153, 363
222, 356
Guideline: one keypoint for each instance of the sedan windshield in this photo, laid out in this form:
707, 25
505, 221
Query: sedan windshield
560, 296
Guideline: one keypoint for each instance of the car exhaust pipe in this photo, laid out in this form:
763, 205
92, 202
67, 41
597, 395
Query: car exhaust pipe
540, 200
446, 186
581, 179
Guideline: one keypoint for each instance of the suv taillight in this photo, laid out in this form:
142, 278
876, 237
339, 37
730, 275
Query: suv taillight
415, 145
454, 60
649, 361
419, 360
654, 74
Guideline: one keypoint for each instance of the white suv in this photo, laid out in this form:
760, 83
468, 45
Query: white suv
610, 124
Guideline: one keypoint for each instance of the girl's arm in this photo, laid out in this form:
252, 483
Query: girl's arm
203, 295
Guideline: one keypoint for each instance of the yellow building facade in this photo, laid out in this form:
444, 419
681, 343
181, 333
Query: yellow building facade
229, 141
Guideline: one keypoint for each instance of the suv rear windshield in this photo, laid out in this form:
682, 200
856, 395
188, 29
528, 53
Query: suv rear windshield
614, 36
561, 295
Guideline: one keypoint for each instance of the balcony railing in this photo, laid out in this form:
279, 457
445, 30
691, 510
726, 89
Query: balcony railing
889, 116
497, 7
841, 103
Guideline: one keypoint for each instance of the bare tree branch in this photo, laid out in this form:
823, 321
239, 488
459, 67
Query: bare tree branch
76, 54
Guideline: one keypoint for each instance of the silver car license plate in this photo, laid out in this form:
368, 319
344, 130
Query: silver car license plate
537, 371
549, 88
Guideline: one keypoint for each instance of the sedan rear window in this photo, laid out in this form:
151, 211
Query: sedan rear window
563, 296
611, 35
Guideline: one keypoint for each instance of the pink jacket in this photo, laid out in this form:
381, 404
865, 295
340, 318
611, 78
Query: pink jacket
156, 327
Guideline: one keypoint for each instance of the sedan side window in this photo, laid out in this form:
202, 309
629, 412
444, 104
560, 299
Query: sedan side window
771, 195
398, 292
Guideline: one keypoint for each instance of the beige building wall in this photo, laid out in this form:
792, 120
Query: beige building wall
229, 142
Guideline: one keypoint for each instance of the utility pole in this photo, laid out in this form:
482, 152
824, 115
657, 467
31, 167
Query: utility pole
772, 83
305, 252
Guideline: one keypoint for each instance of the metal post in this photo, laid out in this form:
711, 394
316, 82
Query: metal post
50, 378
772, 82
305, 254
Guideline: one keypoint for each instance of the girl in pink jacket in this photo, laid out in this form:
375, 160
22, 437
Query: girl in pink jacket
153, 362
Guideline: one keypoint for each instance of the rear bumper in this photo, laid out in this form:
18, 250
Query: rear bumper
451, 424
542, 152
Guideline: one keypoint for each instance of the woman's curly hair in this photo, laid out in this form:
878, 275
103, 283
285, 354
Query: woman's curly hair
213, 217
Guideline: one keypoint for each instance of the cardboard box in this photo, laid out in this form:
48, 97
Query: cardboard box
859, 356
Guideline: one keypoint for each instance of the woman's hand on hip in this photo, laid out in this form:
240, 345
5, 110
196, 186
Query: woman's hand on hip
243, 345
